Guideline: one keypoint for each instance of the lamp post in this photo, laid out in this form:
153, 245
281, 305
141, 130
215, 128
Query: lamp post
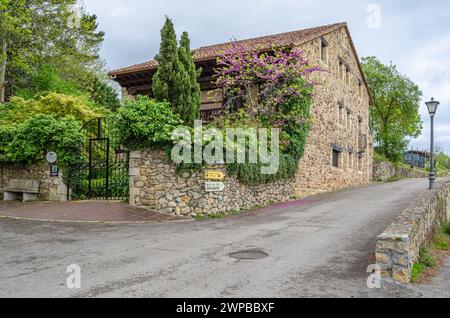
432, 108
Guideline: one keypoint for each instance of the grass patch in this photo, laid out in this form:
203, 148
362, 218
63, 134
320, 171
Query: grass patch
426, 258
203, 217
442, 240
431, 255
393, 179
417, 271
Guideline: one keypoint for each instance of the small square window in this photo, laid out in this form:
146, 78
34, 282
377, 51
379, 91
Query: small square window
336, 155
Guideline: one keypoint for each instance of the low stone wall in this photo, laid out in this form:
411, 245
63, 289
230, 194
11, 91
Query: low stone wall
50, 188
384, 171
155, 184
398, 246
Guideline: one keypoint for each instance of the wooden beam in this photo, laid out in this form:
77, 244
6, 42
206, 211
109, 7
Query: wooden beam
134, 89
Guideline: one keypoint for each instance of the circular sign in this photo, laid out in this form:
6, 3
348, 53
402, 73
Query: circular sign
51, 157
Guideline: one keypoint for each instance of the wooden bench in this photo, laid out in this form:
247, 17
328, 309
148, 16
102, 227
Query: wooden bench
27, 187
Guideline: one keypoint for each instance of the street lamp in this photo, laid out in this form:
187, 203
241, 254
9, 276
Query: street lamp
432, 109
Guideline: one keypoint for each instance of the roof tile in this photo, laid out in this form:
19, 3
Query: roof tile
287, 39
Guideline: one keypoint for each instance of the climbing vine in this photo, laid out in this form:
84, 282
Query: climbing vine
267, 90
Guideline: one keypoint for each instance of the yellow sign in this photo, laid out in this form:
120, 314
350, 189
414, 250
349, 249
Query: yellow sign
214, 175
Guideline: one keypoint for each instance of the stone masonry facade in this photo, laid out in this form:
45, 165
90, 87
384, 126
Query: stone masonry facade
339, 152
155, 184
340, 120
50, 188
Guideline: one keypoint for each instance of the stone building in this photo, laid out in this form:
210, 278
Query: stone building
340, 146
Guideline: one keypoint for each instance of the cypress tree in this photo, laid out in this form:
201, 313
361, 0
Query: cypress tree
171, 82
191, 110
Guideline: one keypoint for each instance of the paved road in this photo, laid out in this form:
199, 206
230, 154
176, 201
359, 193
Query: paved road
317, 247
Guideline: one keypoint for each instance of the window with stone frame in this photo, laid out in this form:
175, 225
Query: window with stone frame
336, 158
347, 75
360, 88
349, 119
360, 161
360, 125
324, 50
341, 113
341, 70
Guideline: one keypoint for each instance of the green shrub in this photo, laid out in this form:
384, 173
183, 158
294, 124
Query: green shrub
446, 229
26, 142
144, 123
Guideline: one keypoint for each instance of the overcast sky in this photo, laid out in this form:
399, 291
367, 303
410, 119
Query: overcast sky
414, 35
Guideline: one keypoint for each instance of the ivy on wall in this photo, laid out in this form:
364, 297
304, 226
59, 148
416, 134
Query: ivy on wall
29, 141
276, 92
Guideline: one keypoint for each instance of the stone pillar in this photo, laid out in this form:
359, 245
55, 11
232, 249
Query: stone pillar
134, 175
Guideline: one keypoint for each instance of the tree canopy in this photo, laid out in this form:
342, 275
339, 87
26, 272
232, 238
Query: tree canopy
48, 45
175, 81
394, 114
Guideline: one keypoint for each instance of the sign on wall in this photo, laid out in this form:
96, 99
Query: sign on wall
214, 186
214, 175
54, 170
51, 157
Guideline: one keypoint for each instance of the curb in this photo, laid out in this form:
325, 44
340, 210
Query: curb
4, 217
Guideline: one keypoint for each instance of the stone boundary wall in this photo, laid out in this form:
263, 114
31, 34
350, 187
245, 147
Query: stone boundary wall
155, 184
398, 247
384, 171
50, 188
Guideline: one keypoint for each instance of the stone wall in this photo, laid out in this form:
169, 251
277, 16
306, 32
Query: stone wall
155, 184
398, 246
340, 117
385, 171
50, 188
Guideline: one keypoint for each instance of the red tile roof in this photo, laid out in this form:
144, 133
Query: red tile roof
287, 39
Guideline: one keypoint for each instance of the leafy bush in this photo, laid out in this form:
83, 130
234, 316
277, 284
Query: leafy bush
118, 187
30, 140
58, 105
145, 123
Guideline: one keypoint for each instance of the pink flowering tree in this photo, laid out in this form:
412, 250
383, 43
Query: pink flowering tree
269, 89
267, 82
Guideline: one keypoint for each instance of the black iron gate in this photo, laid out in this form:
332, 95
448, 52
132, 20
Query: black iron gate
104, 175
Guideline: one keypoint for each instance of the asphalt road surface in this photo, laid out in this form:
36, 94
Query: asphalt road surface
318, 247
